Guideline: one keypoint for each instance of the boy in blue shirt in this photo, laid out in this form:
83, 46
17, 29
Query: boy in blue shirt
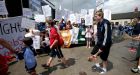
29, 56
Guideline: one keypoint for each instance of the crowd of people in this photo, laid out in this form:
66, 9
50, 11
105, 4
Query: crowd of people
48, 41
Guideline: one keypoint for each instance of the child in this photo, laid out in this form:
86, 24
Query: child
88, 36
55, 48
29, 56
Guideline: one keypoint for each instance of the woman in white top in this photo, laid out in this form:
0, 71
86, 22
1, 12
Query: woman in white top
88, 36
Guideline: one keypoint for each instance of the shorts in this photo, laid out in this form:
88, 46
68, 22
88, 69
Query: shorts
31, 69
56, 52
103, 55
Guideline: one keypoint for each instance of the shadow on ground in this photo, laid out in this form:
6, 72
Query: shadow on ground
110, 66
70, 62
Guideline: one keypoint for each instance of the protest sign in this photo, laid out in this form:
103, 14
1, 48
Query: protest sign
3, 10
107, 14
72, 18
88, 20
91, 12
27, 12
10, 30
39, 18
58, 14
78, 18
27, 23
46, 10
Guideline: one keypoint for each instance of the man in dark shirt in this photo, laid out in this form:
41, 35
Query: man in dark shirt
136, 30
104, 41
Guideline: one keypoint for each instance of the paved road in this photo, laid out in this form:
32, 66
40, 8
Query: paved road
119, 58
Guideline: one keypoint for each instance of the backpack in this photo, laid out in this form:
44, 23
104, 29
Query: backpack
29, 58
21, 53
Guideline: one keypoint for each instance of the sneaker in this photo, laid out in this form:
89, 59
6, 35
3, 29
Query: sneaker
135, 70
95, 68
45, 66
101, 71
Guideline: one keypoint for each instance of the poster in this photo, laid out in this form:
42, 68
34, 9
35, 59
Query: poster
3, 10
39, 18
27, 12
88, 20
10, 30
27, 23
47, 10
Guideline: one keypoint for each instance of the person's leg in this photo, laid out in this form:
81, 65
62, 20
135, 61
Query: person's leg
137, 69
49, 61
104, 56
62, 58
139, 63
87, 43
60, 55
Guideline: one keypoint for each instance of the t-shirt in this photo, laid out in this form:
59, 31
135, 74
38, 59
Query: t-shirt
53, 35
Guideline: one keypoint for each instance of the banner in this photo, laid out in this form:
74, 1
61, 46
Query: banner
47, 10
66, 37
10, 30
39, 18
3, 10
88, 20
27, 12
27, 23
